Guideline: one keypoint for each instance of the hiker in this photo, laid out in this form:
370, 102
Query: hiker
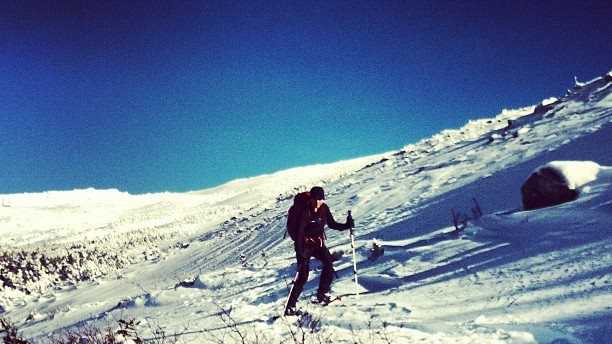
306, 225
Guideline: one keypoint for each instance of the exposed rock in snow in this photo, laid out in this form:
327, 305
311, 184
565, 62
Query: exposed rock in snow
557, 182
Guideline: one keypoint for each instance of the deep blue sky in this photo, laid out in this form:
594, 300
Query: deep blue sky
150, 97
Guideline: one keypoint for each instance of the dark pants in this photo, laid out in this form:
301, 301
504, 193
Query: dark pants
303, 266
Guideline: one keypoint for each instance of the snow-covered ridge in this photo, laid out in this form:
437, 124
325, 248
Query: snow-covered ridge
266, 188
473, 130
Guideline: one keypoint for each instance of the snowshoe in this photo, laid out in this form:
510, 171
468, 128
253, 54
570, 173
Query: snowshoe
323, 300
293, 311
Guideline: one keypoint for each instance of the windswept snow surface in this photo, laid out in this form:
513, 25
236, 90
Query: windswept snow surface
511, 276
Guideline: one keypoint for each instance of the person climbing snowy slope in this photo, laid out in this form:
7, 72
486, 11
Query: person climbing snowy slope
306, 225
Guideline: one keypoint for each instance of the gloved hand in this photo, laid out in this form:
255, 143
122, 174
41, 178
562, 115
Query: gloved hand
350, 222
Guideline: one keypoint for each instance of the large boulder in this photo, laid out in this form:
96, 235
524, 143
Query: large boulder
544, 188
557, 183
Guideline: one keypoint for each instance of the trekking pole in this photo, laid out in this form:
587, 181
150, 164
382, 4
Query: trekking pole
354, 257
297, 273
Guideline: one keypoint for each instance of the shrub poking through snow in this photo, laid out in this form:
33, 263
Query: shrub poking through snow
376, 250
126, 332
461, 220
10, 333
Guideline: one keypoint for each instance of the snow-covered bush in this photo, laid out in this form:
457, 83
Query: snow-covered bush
33, 270
126, 332
10, 333
209, 282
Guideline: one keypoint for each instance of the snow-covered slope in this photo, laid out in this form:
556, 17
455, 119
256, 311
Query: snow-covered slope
511, 277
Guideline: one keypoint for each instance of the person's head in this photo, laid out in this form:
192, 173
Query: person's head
318, 194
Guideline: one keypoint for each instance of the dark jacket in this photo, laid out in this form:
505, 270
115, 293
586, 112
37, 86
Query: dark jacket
312, 227
318, 220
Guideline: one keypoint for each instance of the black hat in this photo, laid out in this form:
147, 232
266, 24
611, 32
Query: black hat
317, 193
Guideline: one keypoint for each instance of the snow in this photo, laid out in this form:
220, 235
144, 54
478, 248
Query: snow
575, 173
549, 101
174, 259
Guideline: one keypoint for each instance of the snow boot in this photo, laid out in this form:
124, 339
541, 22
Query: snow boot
323, 300
293, 311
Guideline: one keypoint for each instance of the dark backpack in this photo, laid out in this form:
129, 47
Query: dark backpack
294, 216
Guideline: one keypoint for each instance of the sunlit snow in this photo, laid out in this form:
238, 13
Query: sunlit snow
179, 260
